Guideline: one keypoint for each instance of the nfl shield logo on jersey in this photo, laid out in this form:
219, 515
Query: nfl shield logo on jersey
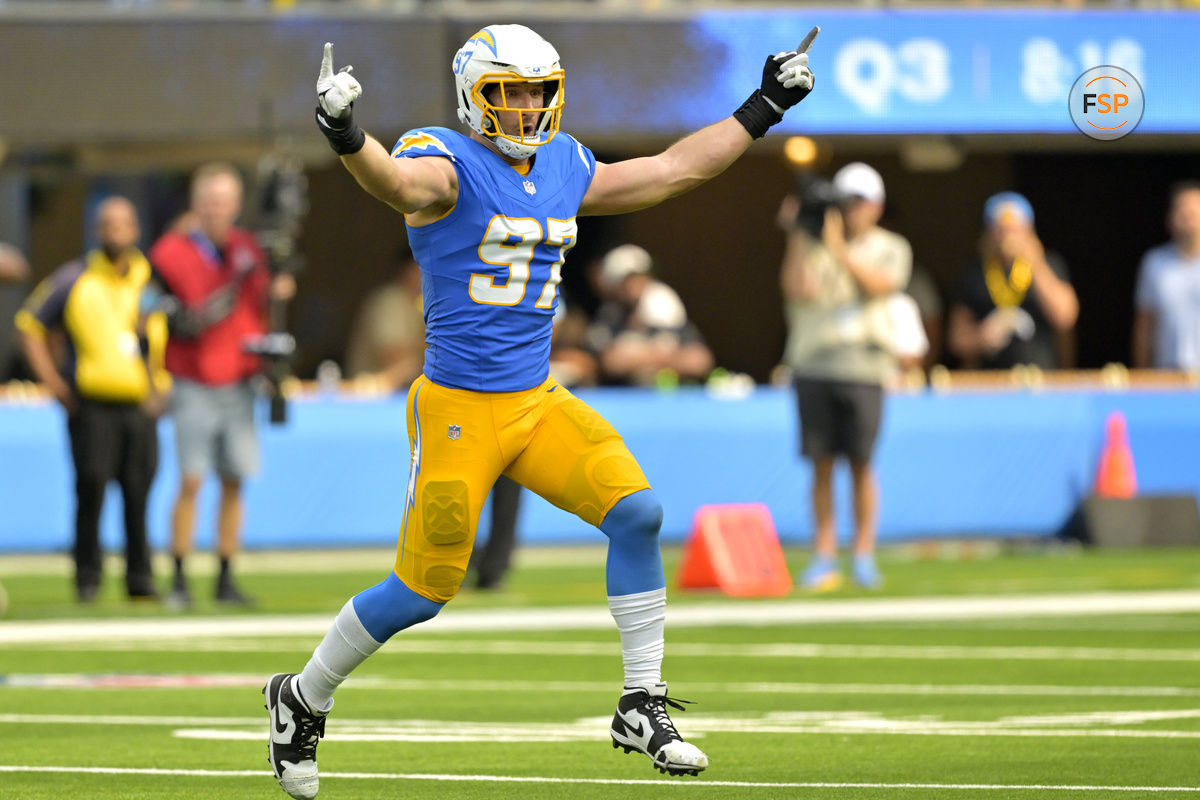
529, 187
454, 432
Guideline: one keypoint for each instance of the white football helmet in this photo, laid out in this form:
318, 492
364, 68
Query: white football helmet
514, 54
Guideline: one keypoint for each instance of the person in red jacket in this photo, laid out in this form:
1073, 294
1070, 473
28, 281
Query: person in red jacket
217, 285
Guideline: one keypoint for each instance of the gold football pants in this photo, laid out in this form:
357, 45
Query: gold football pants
544, 438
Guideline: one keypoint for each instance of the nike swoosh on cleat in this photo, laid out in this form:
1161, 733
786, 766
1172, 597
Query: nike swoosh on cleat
637, 735
285, 727
639, 731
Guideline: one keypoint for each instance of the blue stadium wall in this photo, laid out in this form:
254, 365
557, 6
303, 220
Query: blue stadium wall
971, 463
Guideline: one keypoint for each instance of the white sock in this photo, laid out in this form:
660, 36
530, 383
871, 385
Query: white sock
640, 618
345, 647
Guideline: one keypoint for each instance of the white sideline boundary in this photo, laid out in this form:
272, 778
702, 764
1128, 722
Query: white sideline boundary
718, 613
686, 784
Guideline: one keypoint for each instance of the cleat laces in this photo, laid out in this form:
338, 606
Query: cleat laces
656, 709
309, 729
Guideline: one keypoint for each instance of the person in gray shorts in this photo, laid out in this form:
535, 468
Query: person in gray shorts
214, 429
837, 283
216, 287
214, 432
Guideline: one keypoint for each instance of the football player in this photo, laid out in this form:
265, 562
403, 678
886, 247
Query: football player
491, 215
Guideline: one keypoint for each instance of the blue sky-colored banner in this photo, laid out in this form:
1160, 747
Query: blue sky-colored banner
953, 71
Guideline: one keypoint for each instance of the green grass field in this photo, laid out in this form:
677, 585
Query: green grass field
1016, 673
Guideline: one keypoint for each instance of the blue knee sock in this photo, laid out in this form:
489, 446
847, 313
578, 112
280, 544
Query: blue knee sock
634, 561
389, 607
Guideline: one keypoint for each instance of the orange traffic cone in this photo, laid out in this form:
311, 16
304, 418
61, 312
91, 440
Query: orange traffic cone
1116, 476
734, 548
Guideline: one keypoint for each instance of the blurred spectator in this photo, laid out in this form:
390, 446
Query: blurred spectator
1166, 329
642, 332
571, 363
108, 386
14, 272
840, 292
217, 284
388, 338
1015, 304
490, 561
923, 289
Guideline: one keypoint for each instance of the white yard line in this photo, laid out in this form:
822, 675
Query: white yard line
600, 733
686, 784
718, 613
1139, 623
1119, 725
407, 645
190, 682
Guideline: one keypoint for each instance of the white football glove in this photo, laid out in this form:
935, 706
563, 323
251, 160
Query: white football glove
336, 91
790, 71
793, 70
786, 80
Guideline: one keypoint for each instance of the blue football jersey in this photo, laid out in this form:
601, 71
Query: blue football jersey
490, 268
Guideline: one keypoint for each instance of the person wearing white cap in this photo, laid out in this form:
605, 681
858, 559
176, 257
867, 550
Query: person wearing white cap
1015, 304
642, 333
836, 289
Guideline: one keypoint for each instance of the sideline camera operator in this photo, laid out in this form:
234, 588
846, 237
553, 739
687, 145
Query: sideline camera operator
218, 287
839, 272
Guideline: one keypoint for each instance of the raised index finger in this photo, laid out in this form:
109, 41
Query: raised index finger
327, 60
808, 40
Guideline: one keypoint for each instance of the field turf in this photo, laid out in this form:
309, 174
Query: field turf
836, 696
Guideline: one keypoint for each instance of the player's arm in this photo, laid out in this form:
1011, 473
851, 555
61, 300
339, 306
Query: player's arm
407, 185
643, 182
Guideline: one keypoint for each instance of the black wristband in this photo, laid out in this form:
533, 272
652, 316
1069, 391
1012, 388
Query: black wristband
757, 115
344, 135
